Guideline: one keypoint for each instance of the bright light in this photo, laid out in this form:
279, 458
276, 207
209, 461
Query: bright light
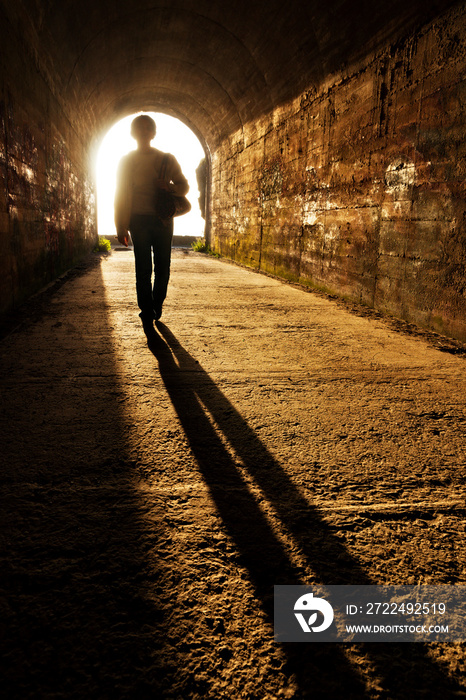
173, 137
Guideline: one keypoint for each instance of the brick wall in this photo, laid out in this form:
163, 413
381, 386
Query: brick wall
359, 186
47, 212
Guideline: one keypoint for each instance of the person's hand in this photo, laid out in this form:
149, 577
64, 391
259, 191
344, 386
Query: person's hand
123, 236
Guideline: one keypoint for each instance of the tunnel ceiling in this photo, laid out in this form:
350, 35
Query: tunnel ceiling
216, 65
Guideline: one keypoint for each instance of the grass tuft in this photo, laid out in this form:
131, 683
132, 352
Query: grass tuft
201, 246
103, 245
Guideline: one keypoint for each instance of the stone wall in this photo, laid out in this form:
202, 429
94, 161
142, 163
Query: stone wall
358, 186
47, 212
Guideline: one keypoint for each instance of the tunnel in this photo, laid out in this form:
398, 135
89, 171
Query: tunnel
334, 137
154, 494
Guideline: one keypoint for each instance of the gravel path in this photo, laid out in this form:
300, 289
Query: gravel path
152, 497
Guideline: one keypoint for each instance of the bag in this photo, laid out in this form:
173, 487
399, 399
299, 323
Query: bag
168, 205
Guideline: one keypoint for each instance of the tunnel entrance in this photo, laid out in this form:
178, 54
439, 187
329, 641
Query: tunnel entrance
172, 136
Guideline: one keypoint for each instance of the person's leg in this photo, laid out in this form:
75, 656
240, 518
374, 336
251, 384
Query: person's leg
162, 245
141, 234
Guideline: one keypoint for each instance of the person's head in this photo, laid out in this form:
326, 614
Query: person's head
143, 128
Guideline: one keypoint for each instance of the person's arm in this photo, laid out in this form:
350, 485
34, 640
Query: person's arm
123, 202
178, 184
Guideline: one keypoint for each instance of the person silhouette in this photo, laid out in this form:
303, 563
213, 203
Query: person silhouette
138, 178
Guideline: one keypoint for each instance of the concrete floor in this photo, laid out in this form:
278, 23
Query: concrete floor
154, 496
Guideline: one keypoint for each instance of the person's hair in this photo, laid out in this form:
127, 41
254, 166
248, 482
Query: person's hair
143, 118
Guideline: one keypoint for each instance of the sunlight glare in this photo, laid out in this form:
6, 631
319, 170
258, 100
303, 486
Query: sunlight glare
172, 136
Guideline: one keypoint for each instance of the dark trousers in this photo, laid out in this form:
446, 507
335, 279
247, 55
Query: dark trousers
151, 237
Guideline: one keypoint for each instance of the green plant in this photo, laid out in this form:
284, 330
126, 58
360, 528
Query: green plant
200, 246
103, 245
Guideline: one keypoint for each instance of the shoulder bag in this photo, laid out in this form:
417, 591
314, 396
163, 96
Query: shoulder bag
167, 204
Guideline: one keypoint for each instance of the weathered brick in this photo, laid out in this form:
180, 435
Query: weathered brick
362, 188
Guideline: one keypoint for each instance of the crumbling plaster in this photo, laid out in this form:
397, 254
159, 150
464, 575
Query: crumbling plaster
358, 187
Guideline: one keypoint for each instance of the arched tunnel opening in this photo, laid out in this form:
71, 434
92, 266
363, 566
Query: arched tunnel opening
334, 134
172, 136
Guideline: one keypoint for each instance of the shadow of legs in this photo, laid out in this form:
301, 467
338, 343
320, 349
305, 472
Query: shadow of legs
260, 551
199, 402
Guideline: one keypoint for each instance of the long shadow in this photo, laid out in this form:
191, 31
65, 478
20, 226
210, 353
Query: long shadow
322, 670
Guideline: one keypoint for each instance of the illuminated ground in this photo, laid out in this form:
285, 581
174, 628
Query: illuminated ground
154, 496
